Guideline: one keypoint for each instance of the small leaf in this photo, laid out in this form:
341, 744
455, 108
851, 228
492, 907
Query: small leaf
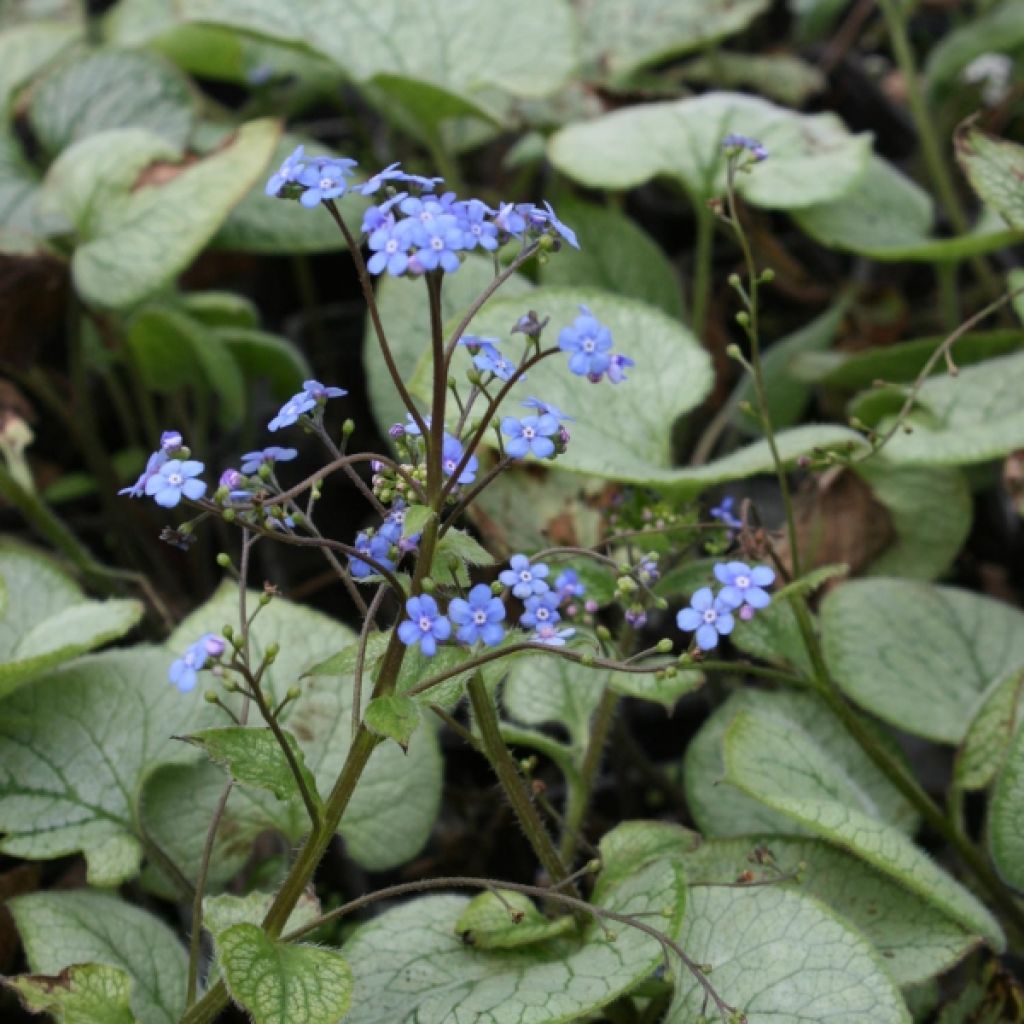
1006, 816
60, 929
80, 994
507, 920
632, 844
919, 656
394, 717
224, 911
766, 759
416, 518
995, 168
254, 758
983, 751
278, 983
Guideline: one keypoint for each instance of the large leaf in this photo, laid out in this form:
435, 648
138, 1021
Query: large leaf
45, 618
916, 940
887, 216
781, 958
140, 239
265, 225
80, 994
394, 806
59, 929
264, 356
459, 49
280, 983
406, 317
995, 168
616, 255
768, 760
918, 655
111, 89
621, 431
1006, 816
410, 965
75, 750
19, 189
25, 50
973, 417
619, 37
721, 810
813, 159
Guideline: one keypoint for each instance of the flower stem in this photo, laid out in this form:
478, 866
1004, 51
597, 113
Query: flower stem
511, 782
703, 255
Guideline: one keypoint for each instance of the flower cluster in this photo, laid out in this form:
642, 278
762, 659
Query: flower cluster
743, 591
414, 233
386, 545
589, 344
184, 671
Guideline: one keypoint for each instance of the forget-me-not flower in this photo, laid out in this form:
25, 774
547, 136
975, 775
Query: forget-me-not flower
451, 455
526, 578
252, 461
709, 616
175, 479
290, 412
184, 671
479, 617
424, 626
325, 179
743, 584
530, 435
588, 343
540, 610
288, 173
724, 514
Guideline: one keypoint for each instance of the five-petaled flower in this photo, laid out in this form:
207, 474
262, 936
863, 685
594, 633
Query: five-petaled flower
588, 342
321, 392
744, 585
175, 479
530, 435
153, 464
451, 455
288, 172
324, 179
252, 461
290, 412
479, 617
540, 610
184, 671
525, 578
424, 626
552, 636
709, 616
568, 585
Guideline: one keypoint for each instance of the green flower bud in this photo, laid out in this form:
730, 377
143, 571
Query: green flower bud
743, 318
427, 585
294, 693
224, 560
211, 697
664, 645
603, 633
348, 428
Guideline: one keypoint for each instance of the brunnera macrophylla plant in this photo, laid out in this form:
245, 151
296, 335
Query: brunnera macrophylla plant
806, 898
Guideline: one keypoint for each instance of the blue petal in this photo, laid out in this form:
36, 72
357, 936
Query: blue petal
707, 638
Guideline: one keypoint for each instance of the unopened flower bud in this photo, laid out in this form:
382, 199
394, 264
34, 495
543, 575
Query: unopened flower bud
603, 633
273, 650
733, 351
294, 693
224, 560
427, 585
591, 606
213, 645
171, 441
767, 275
348, 428
743, 318
664, 645
211, 697
395, 431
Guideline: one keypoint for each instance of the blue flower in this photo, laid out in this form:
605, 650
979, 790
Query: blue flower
316, 390
252, 461
476, 229
568, 585
710, 616
171, 441
425, 625
290, 412
648, 571
390, 244
377, 547
588, 342
478, 618
153, 464
735, 142
439, 242
325, 179
509, 220
381, 216
411, 427
184, 671
451, 455
288, 172
174, 479
489, 360
524, 578
530, 435
547, 407
744, 585
618, 366
563, 230
427, 209
541, 610
551, 636
724, 514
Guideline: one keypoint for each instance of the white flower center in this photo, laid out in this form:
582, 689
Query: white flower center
526, 576
480, 617
588, 345
437, 244
449, 465
742, 582
529, 433
543, 614
710, 615
425, 624
326, 183
392, 246
175, 479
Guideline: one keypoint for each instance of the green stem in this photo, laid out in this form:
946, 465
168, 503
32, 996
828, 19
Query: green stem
579, 796
703, 256
511, 782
